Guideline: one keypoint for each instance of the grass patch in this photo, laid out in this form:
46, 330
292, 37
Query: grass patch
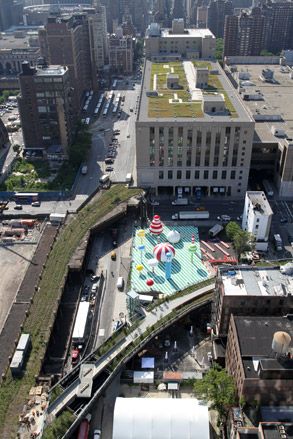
14, 393
58, 428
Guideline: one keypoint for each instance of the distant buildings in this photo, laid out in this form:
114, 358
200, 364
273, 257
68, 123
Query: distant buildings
45, 105
6, 18
253, 291
267, 27
120, 53
244, 35
259, 355
257, 218
217, 11
178, 42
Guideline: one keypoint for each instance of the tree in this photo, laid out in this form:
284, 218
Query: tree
219, 49
218, 388
16, 148
242, 242
232, 228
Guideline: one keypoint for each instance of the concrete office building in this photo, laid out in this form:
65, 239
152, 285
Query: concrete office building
257, 218
65, 41
202, 17
196, 139
45, 106
255, 291
120, 52
259, 357
268, 96
178, 42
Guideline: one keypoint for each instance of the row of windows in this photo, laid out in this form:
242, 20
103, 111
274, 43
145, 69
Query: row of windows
206, 175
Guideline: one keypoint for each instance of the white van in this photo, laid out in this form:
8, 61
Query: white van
120, 283
104, 178
94, 287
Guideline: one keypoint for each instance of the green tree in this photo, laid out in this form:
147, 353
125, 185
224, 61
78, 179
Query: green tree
232, 229
242, 241
265, 52
219, 49
217, 388
16, 148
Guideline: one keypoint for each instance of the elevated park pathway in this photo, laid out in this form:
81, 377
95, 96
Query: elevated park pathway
154, 321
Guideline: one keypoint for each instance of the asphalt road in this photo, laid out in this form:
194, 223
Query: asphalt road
125, 159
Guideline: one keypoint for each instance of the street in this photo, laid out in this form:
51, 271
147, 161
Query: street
102, 133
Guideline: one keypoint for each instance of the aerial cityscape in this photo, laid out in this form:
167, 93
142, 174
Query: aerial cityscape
146, 219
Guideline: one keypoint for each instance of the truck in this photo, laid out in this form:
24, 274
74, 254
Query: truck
191, 215
180, 202
278, 242
84, 170
215, 230
57, 218
79, 329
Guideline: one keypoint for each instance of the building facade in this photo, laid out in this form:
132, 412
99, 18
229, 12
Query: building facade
217, 11
245, 35
120, 53
4, 138
198, 144
65, 41
178, 42
257, 217
98, 38
45, 105
261, 373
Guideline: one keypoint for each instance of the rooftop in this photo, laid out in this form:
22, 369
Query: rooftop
252, 281
259, 202
277, 99
255, 336
10, 41
277, 431
192, 33
52, 71
185, 102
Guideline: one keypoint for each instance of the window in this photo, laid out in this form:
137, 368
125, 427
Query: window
196, 175
233, 175
215, 175
236, 146
170, 146
161, 175
179, 175
226, 146
170, 175
206, 175
152, 146
208, 148
188, 175
217, 149
198, 148
224, 175
161, 146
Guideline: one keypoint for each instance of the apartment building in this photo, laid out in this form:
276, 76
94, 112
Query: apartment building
192, 131
259, 357
217, 11
45, 106
65, 41
178, 43
120, 52
98, 38
254, 291
257, 218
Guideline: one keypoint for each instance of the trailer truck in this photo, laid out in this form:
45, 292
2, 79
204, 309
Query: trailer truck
191, 215
215, 230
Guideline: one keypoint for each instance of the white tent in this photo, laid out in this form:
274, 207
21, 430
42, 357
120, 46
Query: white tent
143, 377
163, 418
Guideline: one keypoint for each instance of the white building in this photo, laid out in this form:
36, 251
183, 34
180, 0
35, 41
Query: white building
178, 42
160, 418
257, 217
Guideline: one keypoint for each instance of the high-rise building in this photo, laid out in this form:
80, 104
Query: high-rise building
217, 11
5, 14
97, 38
65, 41
202, 17
279, 18
45, 106
120, 53
178, 10
245, 35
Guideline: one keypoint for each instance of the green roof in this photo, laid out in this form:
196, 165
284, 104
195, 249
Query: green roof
160, 107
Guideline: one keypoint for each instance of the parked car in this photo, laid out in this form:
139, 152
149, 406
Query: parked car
18, 207
109, 168
36, 204
109, 161
97, 433
224, 218
94, 278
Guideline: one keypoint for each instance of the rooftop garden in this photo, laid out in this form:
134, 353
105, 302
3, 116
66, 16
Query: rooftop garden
160, 107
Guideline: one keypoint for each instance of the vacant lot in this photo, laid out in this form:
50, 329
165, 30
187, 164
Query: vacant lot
14, 262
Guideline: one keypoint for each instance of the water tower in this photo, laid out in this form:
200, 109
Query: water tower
280, 343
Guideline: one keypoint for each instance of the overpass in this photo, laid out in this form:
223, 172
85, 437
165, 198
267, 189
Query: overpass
106, 366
